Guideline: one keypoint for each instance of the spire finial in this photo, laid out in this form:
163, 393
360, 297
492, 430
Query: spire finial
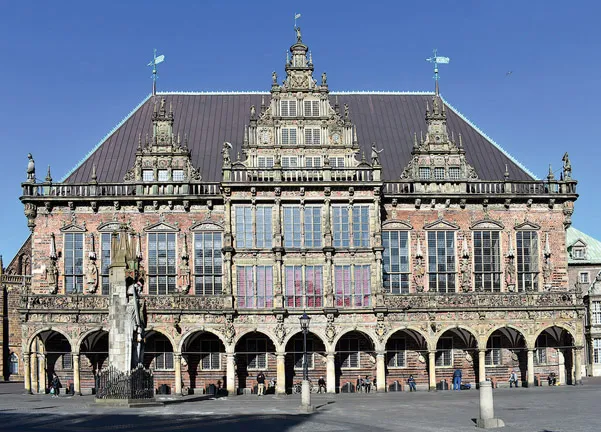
550, 176
1, 265
506, 174
155, 61
262, 103
48, 176
93, 177
435, 59
460, 141
415, 140
245, 142
355, 140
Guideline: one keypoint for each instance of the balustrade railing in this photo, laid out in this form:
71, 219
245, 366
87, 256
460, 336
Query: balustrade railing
473, 187
301, 175
15, 279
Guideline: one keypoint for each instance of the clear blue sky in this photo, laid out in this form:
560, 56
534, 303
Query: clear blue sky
71, 70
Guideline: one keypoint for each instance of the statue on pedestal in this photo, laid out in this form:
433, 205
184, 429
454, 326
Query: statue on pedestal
135, 323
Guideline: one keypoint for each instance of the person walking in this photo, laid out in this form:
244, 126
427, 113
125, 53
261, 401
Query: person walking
457, 379
321, 383
513, 380
55, 385
367, 384
411, 383
359, 383
261, 383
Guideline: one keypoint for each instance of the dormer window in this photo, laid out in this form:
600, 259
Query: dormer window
312, 136
289, 162
311, 108
289, 136
163, 175
439, 173
313, 161
337, 162
578, 252
147, 175
288, 108
454, 173
178, 175
265, 161
424, 173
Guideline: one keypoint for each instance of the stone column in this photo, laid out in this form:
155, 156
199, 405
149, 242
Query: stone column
27, 372
41, 373
530, 374
281, 373
481, 365
330, 373
561, 376
177, 360
76, 381
577, 366
381, 372
230, 373
34, 372
432, 370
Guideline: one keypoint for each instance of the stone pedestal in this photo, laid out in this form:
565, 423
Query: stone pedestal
120, 340
306, 397
487, 418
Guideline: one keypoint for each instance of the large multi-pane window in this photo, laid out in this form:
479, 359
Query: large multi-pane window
396, 353
265, 162
105, 261
312, 222
210, 355
487, 261
595, 312
441, 261
303, 288
162, 270
73, 262
208, 263
288, 136
288, 108
312, 136
163, 355
299, 354
67, 361
597, 351
292, 226
444, 352
527, 260
361, 226
289, 162
336, 162
349, 353
255, 286
256, 354
395, 261
311, 108
349, 292
264, 231
540, 353
13, 366
244, 227
341, 227
493, 355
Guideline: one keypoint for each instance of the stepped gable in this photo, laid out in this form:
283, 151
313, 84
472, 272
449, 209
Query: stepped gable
389, 120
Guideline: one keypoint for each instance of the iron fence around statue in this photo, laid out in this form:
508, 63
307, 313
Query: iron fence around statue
115, 384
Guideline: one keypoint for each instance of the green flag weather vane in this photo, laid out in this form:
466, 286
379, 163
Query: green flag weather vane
436, 59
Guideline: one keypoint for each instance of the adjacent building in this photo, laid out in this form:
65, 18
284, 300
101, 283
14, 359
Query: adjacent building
416, 244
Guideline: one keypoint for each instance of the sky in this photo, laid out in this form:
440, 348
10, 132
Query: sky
71, 70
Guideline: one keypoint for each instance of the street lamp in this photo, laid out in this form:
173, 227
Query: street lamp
305, 388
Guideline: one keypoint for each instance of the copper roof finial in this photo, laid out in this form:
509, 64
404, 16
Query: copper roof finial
48, 176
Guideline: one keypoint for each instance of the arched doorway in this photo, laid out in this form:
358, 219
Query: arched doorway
94, 353
158, 357
203, 362
406, 354
457, 348
50, 353
316, 359
553, 353
355, 357
506, 353
254, 352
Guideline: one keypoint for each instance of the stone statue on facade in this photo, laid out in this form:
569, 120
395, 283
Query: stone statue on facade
465, 275
299, 38
135, 323
52, 276
324, 79
184, 276
375, 154
510, 275
225, 152
547, 273
91, 276
274, 78
567, 167
30, 169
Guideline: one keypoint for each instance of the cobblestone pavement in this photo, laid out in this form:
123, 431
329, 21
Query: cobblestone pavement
565, 409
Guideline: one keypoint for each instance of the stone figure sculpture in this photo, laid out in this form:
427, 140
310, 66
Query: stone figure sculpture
225, 151
299, 38
375, 154
92, 276
135, 324
567, 166
30, 169
52, 276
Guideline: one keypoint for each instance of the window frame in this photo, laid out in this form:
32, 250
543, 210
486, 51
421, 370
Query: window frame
313, 104
494, 257
540, 352
297, 354
312, 225
396, 361
443, 353
258, 283
596, 350
494, 354
257, 354
449, 266
215, 273
289, 135
584, 280
75, 270
312, 136
595, 312
288, 104
403, 274
170, 273
211, 354
293, 226
347, 362
296, 286
341, 237
360, 225
527, 265
160, 357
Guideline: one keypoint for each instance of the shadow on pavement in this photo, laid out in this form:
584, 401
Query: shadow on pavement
248, 423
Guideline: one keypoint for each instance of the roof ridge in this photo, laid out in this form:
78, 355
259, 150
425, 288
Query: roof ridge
112, 131
489, 139
237, 92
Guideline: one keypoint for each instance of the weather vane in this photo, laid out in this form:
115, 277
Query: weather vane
155, 61
296, 16
437, 60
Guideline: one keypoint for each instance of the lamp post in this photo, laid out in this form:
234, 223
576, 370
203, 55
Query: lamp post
305, 388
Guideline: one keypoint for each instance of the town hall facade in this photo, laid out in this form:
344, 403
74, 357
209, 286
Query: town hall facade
415, 244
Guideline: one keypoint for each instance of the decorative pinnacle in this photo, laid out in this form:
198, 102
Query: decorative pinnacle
48, 176
93, 177
506, 174
550, 176
415, 140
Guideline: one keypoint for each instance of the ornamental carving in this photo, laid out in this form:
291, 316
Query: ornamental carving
381, 328
330, 328
229, 331
280, 330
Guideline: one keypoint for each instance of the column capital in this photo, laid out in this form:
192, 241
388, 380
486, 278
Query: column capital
431, 351
482, 350
75, 354
177, 355
26, 357
330, 354
380, 353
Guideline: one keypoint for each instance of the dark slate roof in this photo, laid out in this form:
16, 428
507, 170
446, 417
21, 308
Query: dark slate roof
209, 119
